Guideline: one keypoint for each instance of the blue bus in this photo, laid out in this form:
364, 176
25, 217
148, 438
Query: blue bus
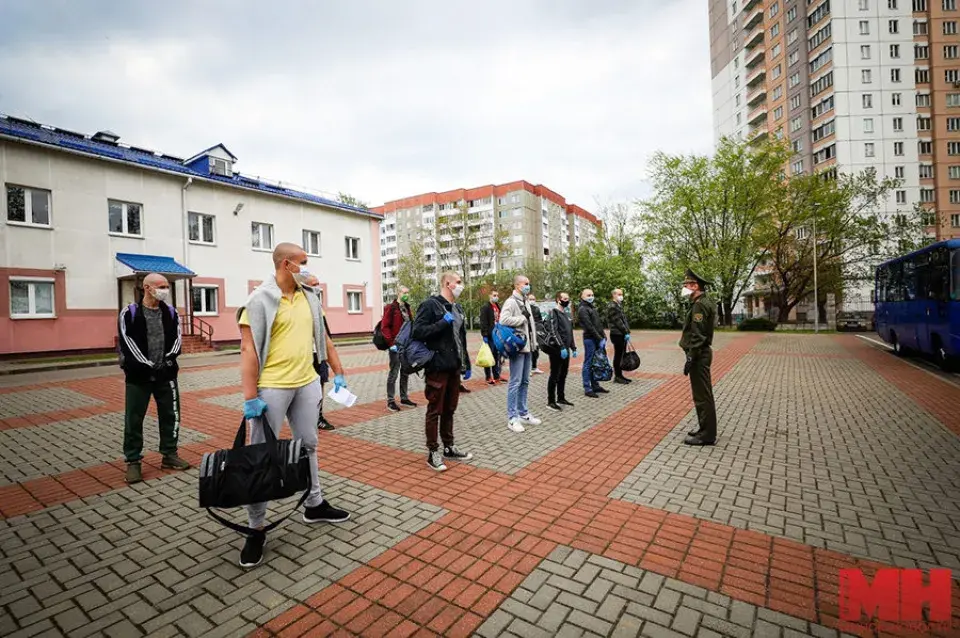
917, 302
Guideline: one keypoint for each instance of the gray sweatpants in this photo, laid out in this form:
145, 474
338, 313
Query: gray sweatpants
301, 407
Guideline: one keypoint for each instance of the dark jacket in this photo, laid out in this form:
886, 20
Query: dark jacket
488, 318
430, 327
589, 320
393, 320
132, 340
698, 326
617, 319
564, 328
537, 315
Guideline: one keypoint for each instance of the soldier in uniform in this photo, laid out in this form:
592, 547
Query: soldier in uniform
696, 342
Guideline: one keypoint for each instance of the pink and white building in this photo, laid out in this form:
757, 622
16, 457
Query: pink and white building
84, 217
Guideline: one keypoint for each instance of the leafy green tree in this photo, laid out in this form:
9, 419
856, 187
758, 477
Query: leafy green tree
350, 200
711, 213
413, 273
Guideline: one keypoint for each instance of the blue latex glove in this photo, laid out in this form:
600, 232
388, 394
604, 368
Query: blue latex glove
627, 339
485, 340
339, 382
575, 354
254, 408
603, 344
393, 348
563, 353
448, 317
467, 375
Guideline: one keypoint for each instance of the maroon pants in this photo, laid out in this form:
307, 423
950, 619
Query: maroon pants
443, 395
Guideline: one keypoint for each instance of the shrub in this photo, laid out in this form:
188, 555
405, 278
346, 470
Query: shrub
759, 324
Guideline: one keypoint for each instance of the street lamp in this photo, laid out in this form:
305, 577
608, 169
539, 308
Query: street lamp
816, 300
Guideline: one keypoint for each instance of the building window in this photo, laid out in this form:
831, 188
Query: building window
953, 123
927, 195
797, 145
793, 58
868, 125
921, 51
865, 52
894, 26
777, 70
775, 52
778, 92
201, 228
28, 205
796, 124
868, 149
898, 148
311, 242
955, 196
926, 171
792, 37
955, 222
792, 14
919, 6
898, 124
864, 27
923, 76
775, 30
898, 172
795, 102
124, 218
31, 298
901, 197
894, 50
864, 5
777, 113
923, 123
949, 5
737, 100
797, 167
895, 99
919, 27
794, 80
866, 76
954, 172
923, 100
949, 27
205, 300
867, 99
925, 147
950, 52
354, 302
774, 9
353, 248
953, 99
952, 76
891, 4
894, 75
261, 236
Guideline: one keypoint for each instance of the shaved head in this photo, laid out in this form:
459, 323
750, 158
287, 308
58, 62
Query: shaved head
155, 280
286, 251
449, 277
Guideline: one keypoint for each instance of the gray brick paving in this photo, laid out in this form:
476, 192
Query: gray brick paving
15, 404
27, 453
481, 423
822, 451
147, 560
671, 609
786, 343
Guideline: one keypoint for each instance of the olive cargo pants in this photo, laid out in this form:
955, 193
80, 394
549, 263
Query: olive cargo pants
702, 387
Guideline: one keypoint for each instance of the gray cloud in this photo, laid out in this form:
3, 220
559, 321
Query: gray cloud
382, 99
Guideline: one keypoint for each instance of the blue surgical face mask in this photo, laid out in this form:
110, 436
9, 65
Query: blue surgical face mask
588, 299
526, 289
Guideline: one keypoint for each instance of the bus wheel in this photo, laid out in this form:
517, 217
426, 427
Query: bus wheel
897, 348
941, 357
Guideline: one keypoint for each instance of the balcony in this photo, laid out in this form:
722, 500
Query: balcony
756, 94
757, 56
756, 75
757, 115
750, 4
753, 17
754, 38
758, 135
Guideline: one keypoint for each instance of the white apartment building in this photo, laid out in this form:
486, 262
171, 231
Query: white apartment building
84, 218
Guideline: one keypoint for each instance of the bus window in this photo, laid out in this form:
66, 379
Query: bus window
955, 292
894, 282
909, 280
938, 275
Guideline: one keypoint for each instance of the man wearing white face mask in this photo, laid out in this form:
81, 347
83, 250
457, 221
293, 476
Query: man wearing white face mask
149, 342
696, 342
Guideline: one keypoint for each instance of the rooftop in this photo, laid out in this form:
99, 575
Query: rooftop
106, 146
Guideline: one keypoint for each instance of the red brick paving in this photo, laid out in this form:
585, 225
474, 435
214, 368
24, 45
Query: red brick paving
447, 578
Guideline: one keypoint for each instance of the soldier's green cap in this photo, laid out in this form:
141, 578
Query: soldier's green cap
691, 276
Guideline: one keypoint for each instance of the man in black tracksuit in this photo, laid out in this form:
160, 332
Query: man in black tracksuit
441, 326
619, 334
150, 340
593, 339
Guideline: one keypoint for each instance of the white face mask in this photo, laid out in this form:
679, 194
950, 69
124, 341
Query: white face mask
303, 275
619, 298
457, 291
686, 292
161, 294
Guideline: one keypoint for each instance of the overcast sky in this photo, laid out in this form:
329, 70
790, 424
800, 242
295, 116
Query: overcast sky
379, 98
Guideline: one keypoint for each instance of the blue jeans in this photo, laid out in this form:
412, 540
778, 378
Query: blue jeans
518, 386
589, 349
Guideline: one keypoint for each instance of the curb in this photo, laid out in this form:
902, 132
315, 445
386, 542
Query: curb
98, 364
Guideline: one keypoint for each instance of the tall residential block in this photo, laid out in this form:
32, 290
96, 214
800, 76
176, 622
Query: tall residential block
538, 223
851, 84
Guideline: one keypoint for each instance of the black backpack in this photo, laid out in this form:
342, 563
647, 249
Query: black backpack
548, 338
378, 339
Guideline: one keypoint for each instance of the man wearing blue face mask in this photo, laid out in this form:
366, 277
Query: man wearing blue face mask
593, 339
518, 315
280, 327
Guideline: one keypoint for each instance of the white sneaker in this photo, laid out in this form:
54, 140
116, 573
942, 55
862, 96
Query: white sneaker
514, 425
529, 419
537, 371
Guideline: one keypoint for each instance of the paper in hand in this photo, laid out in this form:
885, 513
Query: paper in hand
343, 397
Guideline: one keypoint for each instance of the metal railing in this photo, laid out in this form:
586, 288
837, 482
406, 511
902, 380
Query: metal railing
191, 325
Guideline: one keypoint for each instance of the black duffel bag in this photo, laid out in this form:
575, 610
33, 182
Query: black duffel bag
631, 360
248, 474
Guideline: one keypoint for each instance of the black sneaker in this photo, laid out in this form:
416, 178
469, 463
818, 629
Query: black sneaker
435, 460
464, 389
565, 402
602, 390
323, 424
621, 381
408, 403
392, 406
553, 406
252, 553
324, 513
453, 453
591, 394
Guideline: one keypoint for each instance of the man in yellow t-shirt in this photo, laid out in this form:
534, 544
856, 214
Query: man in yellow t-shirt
281, 325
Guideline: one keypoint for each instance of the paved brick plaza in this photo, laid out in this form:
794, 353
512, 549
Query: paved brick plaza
832, 454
